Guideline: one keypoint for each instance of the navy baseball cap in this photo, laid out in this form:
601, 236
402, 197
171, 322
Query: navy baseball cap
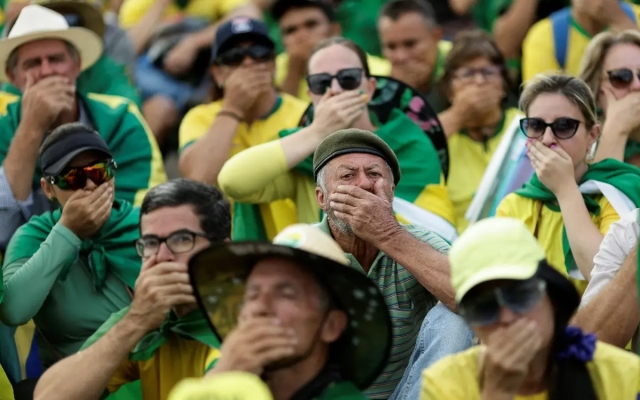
237, 30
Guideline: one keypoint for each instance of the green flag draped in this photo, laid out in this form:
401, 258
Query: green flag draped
111, 249
622, 176
247, 222
192, 326
418, 157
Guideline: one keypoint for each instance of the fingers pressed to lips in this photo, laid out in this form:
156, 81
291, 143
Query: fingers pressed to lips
343, 198
354, 191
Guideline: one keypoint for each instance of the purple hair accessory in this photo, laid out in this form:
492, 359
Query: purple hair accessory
576, 345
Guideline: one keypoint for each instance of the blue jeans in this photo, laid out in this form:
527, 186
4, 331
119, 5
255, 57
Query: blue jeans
443, 332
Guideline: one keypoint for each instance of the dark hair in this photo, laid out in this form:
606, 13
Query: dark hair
571, 379
281, 7
468, 46
207, 202
398, 8
64, 130
337, 40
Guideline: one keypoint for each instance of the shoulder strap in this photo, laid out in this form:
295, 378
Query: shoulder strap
628, 9
560, 26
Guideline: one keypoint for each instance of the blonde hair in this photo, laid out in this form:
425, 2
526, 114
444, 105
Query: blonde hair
596, 51
573, 89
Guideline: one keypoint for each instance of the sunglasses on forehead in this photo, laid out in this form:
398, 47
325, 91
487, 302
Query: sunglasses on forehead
485, 309
348, 79
622, 78
74, 178
562, 128
236, 56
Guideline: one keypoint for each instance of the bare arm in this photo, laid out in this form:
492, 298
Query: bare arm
613, 315
86, 374
511, 28
142, 32
295, 74
612, 141
450, 120
203, 160
430, 267
584, 237
20, 163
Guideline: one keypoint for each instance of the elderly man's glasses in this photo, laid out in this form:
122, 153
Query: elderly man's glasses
178, 242
520, 297
622, 78
348, 79
236, 56
74, 178
562, 128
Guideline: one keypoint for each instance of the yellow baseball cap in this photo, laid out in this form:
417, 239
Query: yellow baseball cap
226, 386
493, 249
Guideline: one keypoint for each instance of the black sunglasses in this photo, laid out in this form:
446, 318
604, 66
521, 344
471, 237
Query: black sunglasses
562, 128
348, 79
622, 78
234, 57
519, 297
178, 242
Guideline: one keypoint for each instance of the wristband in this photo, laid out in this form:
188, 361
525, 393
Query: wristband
230, 114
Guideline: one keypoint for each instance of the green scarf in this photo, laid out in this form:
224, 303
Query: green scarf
344, 390
247, 222
111, 249
192, 326
418, 158
624, 177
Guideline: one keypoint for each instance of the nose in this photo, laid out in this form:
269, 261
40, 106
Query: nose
548, 138
90, 185
364, 181
46, 68
399, 56
507, 316
261, 306
164, 254
479, 78
335, 86
248, 61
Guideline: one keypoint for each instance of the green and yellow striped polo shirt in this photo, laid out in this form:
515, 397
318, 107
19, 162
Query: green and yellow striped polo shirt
408, 303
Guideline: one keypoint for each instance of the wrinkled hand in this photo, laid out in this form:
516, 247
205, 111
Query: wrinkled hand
85, 212
45, 100
554, 167
508, 354
340, 111
159, 288
474, 101
253, 345
370, 215
623, 112
181, 57
244, 86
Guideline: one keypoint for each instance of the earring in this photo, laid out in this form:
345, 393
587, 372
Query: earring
591, 154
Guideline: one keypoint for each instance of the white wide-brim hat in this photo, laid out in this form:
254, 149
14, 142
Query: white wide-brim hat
37, 23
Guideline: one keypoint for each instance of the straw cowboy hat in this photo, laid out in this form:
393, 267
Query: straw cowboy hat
36, 23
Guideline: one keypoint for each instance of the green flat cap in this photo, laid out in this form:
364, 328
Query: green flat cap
353, 140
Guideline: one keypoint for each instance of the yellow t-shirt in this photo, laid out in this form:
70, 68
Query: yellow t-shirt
377, 66
615, 374
551, 226
6, 99
468, 159
6, 390
538, 48
175, 360
132, 11
276, 215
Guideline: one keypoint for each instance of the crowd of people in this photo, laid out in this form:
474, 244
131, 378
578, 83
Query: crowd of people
319, 199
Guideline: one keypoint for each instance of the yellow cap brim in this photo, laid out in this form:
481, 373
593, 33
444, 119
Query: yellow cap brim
494, 273
227, 386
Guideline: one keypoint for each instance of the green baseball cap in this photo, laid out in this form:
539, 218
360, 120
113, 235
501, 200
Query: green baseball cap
493, 249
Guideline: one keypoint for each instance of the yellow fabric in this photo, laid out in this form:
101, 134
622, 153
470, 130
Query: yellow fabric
24, 336
158, 174
5, 100
551, 225
615, 374
538, 49
276, 215
260, 175
377, 66
6, 390
175, 360
227, 386
132, 11
468, 160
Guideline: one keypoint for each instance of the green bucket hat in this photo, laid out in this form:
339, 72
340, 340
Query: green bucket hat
219, 273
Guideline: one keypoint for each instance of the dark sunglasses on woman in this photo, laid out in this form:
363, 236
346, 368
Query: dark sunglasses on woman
74, 178
236, 56
622, 78
348, 79
519, 297
562, 128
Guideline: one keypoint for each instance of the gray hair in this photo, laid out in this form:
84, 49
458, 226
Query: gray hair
12, 61
321, 180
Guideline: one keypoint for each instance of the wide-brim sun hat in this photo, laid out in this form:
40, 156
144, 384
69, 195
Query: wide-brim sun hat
219, 273
493, 249
89, 11
36, 22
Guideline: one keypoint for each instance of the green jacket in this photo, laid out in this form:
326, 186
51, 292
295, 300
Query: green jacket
122, 126
106, 76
